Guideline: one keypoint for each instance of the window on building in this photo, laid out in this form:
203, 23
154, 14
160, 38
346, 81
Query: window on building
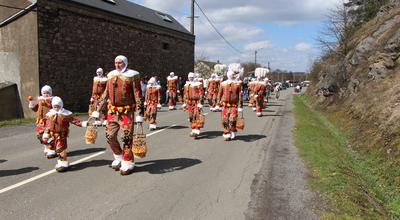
165, 46
164, 17
110, 1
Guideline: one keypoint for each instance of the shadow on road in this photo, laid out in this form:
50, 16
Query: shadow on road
4, 173
250, 137
272, 115
93, 163
165, 165
210, 134
266, 110
178, 127
85, 151
274, 105
2, 161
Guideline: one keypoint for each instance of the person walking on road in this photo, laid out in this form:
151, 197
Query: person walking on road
193, 95
152, 103
124, 96
230, 98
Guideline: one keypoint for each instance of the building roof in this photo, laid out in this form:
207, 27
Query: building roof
12, 10
135, 11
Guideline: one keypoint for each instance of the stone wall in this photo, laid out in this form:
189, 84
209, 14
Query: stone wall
75, 40
19, 57
10, 101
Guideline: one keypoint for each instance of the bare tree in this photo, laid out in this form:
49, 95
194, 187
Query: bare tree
336, 35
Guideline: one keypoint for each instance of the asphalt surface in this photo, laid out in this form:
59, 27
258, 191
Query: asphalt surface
257, 176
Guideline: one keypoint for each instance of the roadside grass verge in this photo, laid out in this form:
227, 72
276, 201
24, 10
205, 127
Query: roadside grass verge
19, 121
356, 185
23, 121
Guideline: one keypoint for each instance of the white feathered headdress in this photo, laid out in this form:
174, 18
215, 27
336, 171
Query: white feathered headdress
261, 72
236, 68
220, 69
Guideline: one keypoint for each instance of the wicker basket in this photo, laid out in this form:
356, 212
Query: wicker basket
91, 109
139, 145
201, 120
240, 122
91, 134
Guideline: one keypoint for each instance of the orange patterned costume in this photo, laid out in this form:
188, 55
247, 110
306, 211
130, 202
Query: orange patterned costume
42, 106
193, 95
152, 100
172, 83
124, 96
230, 98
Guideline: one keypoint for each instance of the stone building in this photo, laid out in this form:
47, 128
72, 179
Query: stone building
63, 42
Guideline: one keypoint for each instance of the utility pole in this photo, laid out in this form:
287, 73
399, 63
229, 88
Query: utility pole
192, 18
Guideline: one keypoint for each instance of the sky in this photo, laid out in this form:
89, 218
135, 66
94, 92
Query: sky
283, 32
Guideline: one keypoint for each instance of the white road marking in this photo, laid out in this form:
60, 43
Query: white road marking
73, 163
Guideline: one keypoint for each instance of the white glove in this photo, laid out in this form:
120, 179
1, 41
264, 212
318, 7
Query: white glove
95, 114
32, 104
139, 119
84, 124
167, 91
184, 105
240, 110
91, 99
45, 136
199, 105
159, 106
255, 96
145, 103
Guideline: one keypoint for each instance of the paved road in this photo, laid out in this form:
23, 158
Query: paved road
258, 176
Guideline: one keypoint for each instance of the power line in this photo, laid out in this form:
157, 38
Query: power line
211, 23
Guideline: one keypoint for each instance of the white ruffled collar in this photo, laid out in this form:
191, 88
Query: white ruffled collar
62, 111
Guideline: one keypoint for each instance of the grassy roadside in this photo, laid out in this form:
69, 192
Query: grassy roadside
19, 121
23, 121
355, 184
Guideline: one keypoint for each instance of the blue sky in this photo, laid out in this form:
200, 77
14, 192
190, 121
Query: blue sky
283, 32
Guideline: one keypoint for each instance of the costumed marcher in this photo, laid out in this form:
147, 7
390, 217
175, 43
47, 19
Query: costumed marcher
172, 83
212, 91
220, 71
193, 102
152, 102
42, 105
57, 131
99, 85
252, 101
124, 96
260, 88
230, 98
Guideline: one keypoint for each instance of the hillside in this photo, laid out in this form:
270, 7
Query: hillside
362, 89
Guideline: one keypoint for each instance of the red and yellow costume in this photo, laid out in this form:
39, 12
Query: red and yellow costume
42, 106
172, 83
260, 89
252, 101
57, 131
124, 96
230, 97
212, 92
152, 100
193, 95
99, 86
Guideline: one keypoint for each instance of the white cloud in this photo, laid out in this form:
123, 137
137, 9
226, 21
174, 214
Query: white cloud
257, 45
243, 24
303, 46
